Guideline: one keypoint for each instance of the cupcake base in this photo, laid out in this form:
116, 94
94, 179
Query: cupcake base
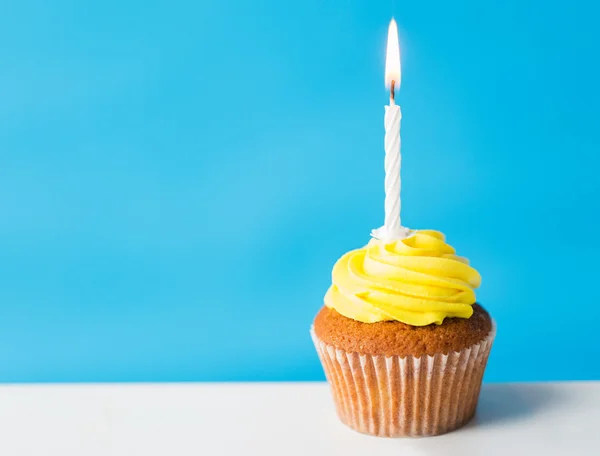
393, 396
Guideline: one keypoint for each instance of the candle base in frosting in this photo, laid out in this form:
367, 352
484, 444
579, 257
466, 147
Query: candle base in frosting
384, 234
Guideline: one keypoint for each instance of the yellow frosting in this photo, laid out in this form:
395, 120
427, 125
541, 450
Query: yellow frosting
417, 280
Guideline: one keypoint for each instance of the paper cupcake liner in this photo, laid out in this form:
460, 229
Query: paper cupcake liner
390, 396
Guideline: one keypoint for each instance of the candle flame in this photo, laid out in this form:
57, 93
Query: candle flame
392, 57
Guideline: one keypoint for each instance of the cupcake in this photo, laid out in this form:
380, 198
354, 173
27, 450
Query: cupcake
402, 341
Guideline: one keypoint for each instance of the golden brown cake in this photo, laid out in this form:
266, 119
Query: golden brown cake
391, 338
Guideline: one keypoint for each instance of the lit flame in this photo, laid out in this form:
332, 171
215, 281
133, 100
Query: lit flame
392, 57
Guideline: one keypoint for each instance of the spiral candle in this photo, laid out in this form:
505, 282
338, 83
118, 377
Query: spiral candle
392, 169
392, 228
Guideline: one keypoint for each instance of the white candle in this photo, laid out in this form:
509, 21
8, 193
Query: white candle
392, 228
392, 169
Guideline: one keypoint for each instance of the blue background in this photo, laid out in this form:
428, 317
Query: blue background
178, 178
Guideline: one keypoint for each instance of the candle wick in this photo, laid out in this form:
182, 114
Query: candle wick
392, 91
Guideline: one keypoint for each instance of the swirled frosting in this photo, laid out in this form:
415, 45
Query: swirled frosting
417, 280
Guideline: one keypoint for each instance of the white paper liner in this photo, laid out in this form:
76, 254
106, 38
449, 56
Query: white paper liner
410, 396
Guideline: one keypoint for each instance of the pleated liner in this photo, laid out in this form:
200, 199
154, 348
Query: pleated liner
405, 397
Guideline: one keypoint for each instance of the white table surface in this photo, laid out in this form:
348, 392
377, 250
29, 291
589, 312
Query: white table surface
281, 419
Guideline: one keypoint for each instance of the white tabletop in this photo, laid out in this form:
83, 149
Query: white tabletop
279, 419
